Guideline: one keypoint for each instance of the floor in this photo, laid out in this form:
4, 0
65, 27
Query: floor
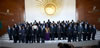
6, 43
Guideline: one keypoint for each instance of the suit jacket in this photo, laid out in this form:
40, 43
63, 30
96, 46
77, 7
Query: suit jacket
85, 30
23, 32
14, 32
70, 31
80, 29
9, 31
94, 30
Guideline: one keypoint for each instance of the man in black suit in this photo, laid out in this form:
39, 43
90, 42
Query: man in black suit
69, 33
55, 29
14, 33
39, 33
85, 30
64, 31
28, 33
66, 27
89, 32
16, 29
52, 31
20, 34
32, 35
59, 31
43, 33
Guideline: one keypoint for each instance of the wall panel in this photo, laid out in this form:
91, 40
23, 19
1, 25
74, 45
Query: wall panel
16, 7
84, 6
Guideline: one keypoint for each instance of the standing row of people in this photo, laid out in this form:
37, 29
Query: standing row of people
39, 32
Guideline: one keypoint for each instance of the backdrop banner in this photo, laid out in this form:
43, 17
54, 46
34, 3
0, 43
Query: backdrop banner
55, 10
0, 25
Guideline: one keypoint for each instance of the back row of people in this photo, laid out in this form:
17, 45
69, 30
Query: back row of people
37, 31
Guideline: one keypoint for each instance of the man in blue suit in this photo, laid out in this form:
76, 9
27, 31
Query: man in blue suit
23, 36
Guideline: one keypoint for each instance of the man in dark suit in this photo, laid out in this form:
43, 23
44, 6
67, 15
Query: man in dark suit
93, 32
59, 31
66, 27
16, 29
52, 31
43, 33
75, 31
89, 32
23, 35
69, 33
14, 33
9, 32
39, 33
80, 30
55, 29
28, 33
64, 31
61, 25
85, 30
20, 34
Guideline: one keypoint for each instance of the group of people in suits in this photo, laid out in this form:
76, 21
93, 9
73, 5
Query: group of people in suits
39, 32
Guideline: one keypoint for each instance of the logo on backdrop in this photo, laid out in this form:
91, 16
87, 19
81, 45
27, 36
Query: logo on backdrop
50, 7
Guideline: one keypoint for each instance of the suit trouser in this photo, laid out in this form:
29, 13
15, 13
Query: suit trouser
93, 36
84, 36
79, 36
28, 38
88, 36
23, 38
15, 39
43, 39
10, 36
69, 37
59, 36
64, 35
33, 38
38, 38
74, 36
20, 39
52, 36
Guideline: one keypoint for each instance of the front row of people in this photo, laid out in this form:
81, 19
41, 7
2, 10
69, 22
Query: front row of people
39, 32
